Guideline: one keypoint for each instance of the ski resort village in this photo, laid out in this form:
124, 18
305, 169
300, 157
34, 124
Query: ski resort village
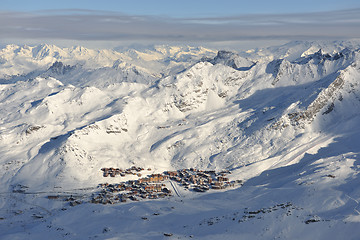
153, 186
160, 185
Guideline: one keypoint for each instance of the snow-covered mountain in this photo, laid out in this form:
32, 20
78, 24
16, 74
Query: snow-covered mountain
22, 60
283, 119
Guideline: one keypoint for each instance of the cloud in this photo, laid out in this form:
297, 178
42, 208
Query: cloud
109, 26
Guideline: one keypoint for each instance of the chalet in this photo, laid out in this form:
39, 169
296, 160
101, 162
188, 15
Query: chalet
156, 178
158, 188
230, 184
217, 185
123, 198
143, 180
149, 188
96, 201
193, 179
204, 175
222, 179
184, 183
119, 186
201, 181
178, 179
132, 182
172, 173
153, 196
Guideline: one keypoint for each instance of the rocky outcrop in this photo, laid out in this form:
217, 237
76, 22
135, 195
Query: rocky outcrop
233, 60
325, 98
60, 69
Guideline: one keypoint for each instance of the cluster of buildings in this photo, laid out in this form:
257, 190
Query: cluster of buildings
112, 172
202, 181
154, 186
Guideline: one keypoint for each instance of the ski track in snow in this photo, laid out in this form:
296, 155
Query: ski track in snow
175, 188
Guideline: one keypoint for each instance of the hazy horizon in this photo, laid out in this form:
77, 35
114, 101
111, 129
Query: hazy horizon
231, 24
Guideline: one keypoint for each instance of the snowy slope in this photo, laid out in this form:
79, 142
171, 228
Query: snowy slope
284, 120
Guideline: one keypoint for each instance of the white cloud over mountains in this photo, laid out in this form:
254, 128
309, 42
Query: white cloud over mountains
92, 25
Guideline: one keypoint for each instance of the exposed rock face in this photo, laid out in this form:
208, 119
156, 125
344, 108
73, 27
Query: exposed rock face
233, 60
60, 69
32, 129
325, 98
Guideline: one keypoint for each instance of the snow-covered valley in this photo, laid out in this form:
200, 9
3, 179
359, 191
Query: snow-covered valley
284, 120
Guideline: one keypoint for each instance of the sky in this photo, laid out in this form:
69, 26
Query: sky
227, 22
184, 8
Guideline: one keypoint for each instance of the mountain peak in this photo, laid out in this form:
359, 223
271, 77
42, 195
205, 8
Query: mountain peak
233, 60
